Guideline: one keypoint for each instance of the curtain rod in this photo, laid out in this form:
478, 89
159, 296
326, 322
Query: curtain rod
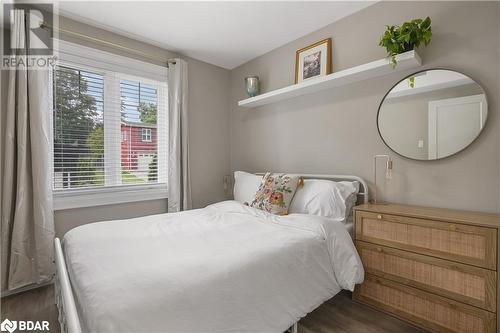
94, 39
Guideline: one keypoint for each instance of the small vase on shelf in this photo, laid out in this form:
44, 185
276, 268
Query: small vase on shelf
252, 85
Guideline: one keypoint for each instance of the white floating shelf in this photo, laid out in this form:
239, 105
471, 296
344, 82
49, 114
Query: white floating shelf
366, 71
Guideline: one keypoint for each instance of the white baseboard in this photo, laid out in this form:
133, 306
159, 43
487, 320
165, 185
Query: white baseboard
6, 293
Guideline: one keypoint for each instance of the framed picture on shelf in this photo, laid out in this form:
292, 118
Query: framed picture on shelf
313, 61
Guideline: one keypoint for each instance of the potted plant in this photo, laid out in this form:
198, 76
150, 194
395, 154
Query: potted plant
407, 37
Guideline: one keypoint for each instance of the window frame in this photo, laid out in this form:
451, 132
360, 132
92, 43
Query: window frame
96, 61
146, 135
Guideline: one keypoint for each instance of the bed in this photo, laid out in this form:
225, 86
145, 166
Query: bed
224, 268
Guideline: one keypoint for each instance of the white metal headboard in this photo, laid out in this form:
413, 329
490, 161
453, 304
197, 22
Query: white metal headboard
363, 186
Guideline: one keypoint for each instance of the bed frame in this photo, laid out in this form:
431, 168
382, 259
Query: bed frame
65, 300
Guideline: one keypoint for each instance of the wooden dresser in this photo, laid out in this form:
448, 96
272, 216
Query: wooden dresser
436, 268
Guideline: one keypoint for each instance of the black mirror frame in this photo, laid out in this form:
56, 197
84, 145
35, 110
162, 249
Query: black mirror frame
436, 159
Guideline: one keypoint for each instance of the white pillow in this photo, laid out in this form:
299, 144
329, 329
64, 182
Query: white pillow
245, 186
325, 198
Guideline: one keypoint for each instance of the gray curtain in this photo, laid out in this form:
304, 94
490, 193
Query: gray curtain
27, 224
179, 184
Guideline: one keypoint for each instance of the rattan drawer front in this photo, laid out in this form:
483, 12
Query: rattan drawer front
464, 283
429, 311
463, 243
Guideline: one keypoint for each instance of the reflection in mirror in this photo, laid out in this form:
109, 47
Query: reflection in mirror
432, 114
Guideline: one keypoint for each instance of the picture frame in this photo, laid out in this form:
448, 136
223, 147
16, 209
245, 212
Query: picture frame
313, 61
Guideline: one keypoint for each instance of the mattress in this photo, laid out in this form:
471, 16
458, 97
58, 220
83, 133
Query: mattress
224, 268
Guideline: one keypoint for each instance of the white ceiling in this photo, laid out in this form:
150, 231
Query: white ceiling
225, 34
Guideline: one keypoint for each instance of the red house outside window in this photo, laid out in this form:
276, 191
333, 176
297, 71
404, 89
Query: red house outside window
139, 145
138, 149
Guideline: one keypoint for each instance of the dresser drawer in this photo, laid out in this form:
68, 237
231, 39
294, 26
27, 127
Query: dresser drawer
429, 311
464, 243
464, 283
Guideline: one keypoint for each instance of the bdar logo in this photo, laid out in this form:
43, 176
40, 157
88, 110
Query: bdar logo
8, 325
24, 325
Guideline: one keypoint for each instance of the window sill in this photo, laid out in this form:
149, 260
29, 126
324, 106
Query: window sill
107, 196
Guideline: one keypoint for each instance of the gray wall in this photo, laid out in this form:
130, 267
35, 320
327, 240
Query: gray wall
335, 131
3, 104
70, 218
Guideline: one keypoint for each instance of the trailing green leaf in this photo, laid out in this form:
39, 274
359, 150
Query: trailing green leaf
407, 37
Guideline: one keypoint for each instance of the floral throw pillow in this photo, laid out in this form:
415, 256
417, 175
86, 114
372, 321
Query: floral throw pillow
276, 193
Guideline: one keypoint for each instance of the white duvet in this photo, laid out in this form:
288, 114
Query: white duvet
224, 268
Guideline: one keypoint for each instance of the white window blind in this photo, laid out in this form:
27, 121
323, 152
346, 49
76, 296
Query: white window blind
78, 128
110, 129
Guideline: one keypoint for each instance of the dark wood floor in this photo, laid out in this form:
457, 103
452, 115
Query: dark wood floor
342, 315
36, 304
338, 315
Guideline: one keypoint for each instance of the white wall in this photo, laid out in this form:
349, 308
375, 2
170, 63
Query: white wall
335, 131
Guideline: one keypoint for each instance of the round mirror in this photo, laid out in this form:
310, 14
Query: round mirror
432, 114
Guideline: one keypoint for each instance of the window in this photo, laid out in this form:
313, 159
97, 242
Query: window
110, 129
146, 135
78, 128
139, 118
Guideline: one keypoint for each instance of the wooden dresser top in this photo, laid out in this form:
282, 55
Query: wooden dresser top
438, 214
